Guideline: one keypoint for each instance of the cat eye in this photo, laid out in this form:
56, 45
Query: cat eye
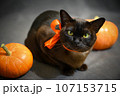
70, 33
86, 35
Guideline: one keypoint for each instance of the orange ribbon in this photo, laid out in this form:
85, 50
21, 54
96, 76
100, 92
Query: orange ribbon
51, 42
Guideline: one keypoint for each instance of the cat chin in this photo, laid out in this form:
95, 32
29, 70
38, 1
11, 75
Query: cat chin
76, 49
81, 49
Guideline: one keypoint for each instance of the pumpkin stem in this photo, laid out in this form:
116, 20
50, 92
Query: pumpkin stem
96, 17
6, 49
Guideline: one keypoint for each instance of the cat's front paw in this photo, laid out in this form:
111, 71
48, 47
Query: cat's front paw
83, 68
68, 71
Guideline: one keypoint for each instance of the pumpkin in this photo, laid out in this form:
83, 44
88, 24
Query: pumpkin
15, 60
106, 36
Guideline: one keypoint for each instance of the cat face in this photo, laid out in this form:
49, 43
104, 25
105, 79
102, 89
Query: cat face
78, 35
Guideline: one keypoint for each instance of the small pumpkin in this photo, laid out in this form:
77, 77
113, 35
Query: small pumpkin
106, 36
15, 60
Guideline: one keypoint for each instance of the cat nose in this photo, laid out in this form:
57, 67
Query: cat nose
77, 41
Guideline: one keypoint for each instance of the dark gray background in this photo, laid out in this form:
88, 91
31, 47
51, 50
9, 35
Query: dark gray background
16, 17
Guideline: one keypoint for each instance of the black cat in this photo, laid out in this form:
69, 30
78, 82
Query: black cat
76, 34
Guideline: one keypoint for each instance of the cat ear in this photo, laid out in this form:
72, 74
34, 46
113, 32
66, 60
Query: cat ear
65, 18
97, 24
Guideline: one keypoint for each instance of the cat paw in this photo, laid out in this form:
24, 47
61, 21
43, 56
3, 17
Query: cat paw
68, 72
83, 68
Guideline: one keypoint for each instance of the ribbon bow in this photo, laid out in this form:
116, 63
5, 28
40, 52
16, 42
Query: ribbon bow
51, 42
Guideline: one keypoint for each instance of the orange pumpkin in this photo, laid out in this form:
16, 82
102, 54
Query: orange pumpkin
106, 36
15, 60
